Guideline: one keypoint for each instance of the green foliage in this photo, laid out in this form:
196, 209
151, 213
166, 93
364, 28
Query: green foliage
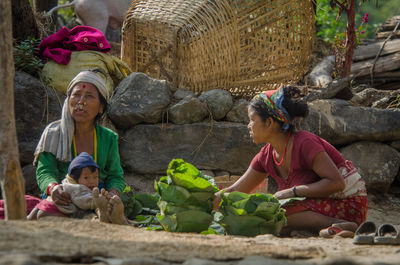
327, 25
251, 214
140, 203
26, 57
186, 198
395, 103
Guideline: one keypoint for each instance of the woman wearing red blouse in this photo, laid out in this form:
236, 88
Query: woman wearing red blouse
303, 165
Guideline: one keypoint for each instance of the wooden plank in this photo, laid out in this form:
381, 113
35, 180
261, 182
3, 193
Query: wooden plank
384, 35
383, 64
371, 50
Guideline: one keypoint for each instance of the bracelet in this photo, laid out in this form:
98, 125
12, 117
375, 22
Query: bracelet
50, 187
294, 191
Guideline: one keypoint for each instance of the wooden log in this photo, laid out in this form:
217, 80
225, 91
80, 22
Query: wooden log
11, 178
371, 50
384, 35
383, 64
389, 24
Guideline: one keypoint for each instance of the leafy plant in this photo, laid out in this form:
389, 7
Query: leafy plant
339, 47
251, 214
186, 198
26, 57
139, 203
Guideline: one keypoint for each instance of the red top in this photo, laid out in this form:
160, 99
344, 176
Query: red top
305, 146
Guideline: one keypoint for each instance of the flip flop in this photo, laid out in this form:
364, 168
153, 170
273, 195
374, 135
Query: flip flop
333, 231
387, 235
365, 233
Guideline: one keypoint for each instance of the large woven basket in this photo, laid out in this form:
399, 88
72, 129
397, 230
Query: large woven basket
243, 46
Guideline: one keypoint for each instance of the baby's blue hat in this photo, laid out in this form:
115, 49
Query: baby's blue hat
81, 161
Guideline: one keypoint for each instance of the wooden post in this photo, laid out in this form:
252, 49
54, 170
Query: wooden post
350, 38
12, 182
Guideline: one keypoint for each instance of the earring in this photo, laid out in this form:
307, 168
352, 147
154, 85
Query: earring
84, 103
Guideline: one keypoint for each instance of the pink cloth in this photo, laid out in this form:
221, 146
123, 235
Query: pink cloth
31, 202
48, 206
305, 146
60, 45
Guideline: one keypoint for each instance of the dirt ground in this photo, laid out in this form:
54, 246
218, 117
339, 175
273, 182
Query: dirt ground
61, 240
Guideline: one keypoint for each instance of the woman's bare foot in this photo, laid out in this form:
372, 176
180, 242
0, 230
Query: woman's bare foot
116, 211
101, 203
349, 226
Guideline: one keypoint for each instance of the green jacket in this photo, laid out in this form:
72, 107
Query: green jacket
49, 169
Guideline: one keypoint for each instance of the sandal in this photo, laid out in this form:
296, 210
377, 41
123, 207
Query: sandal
365, 233
335, 231
387, 235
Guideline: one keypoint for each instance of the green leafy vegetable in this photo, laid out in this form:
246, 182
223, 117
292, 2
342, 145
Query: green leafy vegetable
186, 198
251, 214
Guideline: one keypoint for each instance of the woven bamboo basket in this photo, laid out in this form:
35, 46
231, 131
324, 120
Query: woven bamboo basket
243, 46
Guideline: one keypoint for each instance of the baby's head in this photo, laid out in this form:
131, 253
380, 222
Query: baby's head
84, 170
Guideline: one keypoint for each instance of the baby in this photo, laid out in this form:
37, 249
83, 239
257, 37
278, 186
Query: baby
81, 183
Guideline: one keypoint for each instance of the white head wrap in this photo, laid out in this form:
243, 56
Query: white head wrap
57, 136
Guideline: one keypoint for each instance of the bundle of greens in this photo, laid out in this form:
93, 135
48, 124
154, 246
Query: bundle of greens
186, 198
140, 208
251, 214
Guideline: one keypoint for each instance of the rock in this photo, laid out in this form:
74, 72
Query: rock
31, 186
148, 149
395, 145
188, 110
377, 163
340, 123
35, 106
138, 98
196, 261
219, 173
219, 101
140, 183
19, 259
182, 93
321, 74
260, 260
371, 97
208, 173
339, 88
238, 113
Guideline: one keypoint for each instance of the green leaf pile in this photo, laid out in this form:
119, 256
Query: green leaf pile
138, 203
251, 214
186, 198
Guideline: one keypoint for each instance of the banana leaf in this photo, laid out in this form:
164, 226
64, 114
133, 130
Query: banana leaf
173, 193
203, 196
230, 197
187, 221
168, 222
243, 225
188, 176
230, 210
284, 202
246, 205
258, 198
266, 210
168, 208
147, 200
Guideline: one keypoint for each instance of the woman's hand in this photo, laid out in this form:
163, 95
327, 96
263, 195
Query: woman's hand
59, 196
217, 200
284, 194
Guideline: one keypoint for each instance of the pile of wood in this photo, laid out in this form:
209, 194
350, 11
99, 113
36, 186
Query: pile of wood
378, 63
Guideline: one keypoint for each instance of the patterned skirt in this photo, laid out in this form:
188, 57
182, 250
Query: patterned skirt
352, 209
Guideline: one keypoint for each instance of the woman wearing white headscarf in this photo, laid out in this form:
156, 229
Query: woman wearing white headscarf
78, 132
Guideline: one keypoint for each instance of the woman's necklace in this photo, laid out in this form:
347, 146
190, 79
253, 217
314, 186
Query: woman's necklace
284, 152
94, 145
